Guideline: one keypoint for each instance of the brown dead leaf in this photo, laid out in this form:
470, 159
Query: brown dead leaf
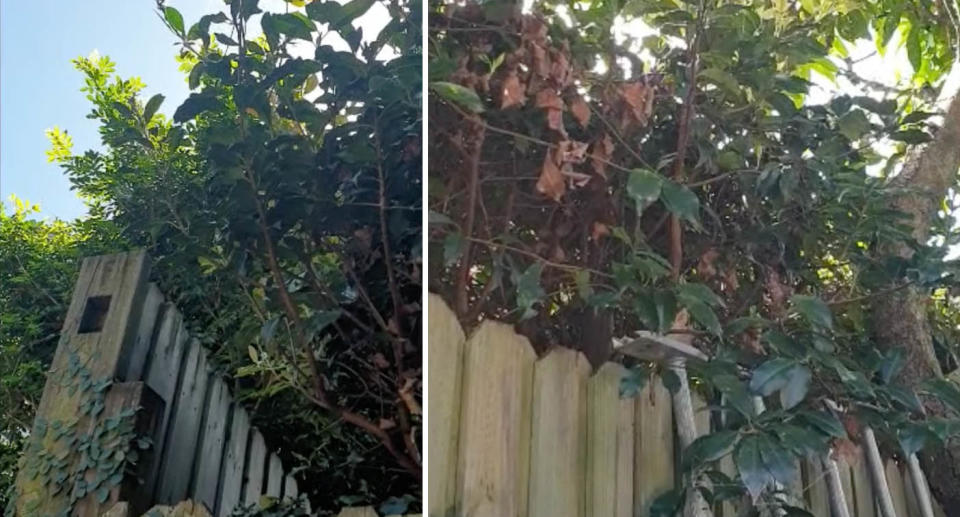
386, 423
639, 99
845, 450
551, 182
599, 230
512, 92
548, 99
580, 111
602, 151
730, 280
406, 394
705, 265
380, 361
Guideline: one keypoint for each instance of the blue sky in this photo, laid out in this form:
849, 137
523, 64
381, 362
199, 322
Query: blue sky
39, 87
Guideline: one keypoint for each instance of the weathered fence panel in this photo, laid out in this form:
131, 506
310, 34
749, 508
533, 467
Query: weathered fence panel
119, 328
654, 472
494, 449
603, 419
559, 424
445, 347
546, 425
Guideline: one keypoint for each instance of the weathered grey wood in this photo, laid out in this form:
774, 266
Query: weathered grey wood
123, 397
649, 346
878, 479
654, 448
290, 489
686, 427
212, 441
863, 493
181, 442
494, 453
815, 485
274, 476
897, 492
559, 424
921, 491
133, 361
255, 468
122, 277
625, 452
231, 484
603, 419
445, 367
162, 375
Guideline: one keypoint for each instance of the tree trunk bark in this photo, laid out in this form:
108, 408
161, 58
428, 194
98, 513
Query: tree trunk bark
899, 319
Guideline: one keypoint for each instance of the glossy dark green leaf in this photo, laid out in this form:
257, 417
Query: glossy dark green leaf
798, 383
457, 94
825, 422
749, 463
771, 376
709, 448
643, 186
777, 460
812, 309
151, 107
174, 18
195, 104
681, 201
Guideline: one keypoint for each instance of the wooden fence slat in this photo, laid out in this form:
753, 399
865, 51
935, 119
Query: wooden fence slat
494, 452
728, 508
274, 476
603, 419
815, 482
862, 489
162, 374
231, 484
897, 492
212, 440
132, 368
559, 424
255, 466
290, 489
846, 481
625, 452
181, 443
913, 506
654, 451
445, 348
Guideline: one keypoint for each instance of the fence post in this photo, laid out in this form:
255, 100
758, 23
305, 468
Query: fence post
99, 333
445, 370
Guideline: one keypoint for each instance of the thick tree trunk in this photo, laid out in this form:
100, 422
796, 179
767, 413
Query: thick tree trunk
899, 319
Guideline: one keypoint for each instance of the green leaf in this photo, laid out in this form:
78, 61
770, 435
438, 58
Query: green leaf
529, 291
633, 380
709, 448
891, 364
854, 124
452, 248
946, 391
703, 314
798, 382
911, 136
812, 309
750, 465
152, 105
666, 309
723, 79
681, 201
644, 187
825, 422
667, 504
195, 104
461, 95
777, 460
174, 18
771, 376
700, 292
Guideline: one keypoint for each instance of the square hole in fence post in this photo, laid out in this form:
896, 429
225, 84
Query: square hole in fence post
94, 314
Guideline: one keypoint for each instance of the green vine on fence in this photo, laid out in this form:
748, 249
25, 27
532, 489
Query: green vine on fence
76, 463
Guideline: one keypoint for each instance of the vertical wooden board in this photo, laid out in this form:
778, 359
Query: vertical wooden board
626, 421
913, 506
701, 413
181, 442
98, 341
728, 507
603, 419
445, 347
493, 458
846, 479
134, 359
818, 500
274, 476
212, 440
162, 375
654, 450
897, 492
254, 470
862, 489
290, 490
231, 475
557, 480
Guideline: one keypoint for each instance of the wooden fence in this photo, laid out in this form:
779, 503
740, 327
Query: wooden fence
120, 328
511, 435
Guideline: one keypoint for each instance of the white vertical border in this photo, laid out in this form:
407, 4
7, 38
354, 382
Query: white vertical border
424, 276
